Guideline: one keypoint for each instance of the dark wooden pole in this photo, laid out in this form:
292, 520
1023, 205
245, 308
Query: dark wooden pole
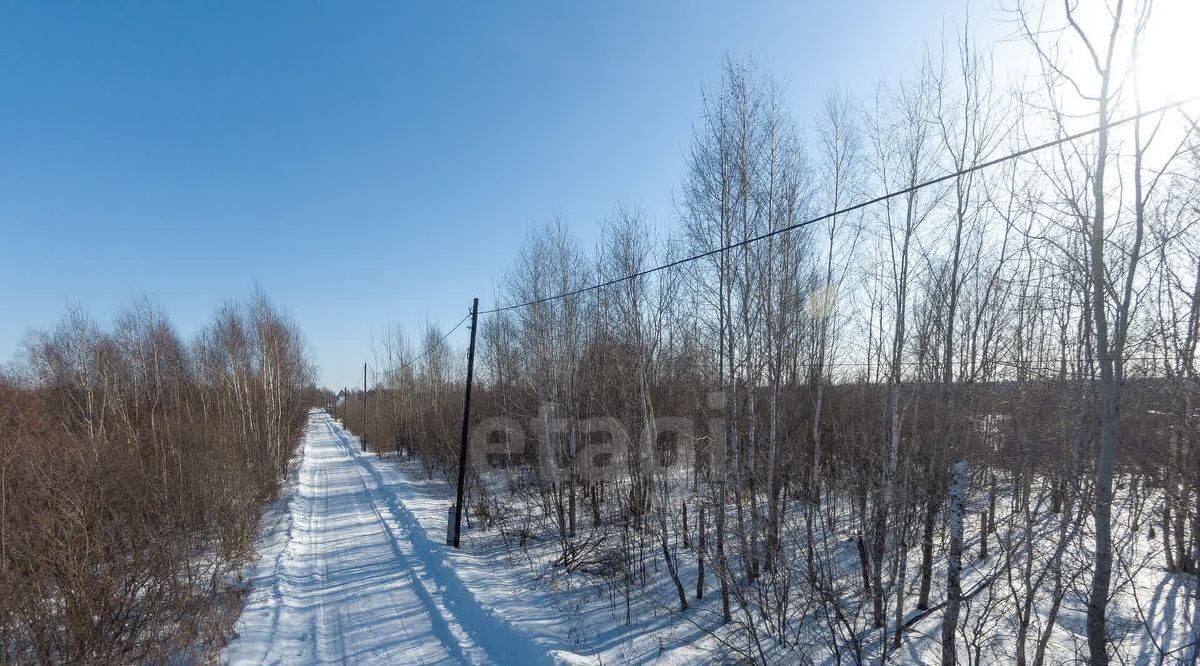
466, 425
364, 432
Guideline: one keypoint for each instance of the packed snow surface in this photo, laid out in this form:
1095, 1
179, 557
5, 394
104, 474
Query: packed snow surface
346, 574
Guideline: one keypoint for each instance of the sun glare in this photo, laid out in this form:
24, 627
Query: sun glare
1168, 67
1163, 67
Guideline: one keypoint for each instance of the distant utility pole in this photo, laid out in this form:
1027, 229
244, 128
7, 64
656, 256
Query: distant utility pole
364, 432
466, 424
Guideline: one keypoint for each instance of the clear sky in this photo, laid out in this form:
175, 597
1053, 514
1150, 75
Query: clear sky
366, 162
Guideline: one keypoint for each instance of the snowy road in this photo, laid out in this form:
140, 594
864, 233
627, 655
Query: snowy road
346, 574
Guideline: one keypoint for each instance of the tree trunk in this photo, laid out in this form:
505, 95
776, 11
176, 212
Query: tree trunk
666, 550
958, 492
983, 535
687, 542
700, 557
930, 522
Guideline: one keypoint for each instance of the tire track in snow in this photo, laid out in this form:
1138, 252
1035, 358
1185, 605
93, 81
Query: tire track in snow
333, 589
452, 637
499, 639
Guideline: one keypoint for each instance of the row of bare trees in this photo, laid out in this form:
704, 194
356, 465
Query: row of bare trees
969, 405
133, 471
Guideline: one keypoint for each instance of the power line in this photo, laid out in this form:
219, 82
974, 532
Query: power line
409, 364
850, 209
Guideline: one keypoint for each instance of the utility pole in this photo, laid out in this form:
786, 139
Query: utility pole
364, 432
466, 425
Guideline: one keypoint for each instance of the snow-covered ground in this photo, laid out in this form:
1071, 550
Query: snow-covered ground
353, 568
347, 574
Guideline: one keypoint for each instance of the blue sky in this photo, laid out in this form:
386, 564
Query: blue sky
366, 162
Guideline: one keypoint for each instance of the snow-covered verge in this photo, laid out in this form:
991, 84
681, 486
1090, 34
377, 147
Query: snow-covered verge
580, 618
513, 570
